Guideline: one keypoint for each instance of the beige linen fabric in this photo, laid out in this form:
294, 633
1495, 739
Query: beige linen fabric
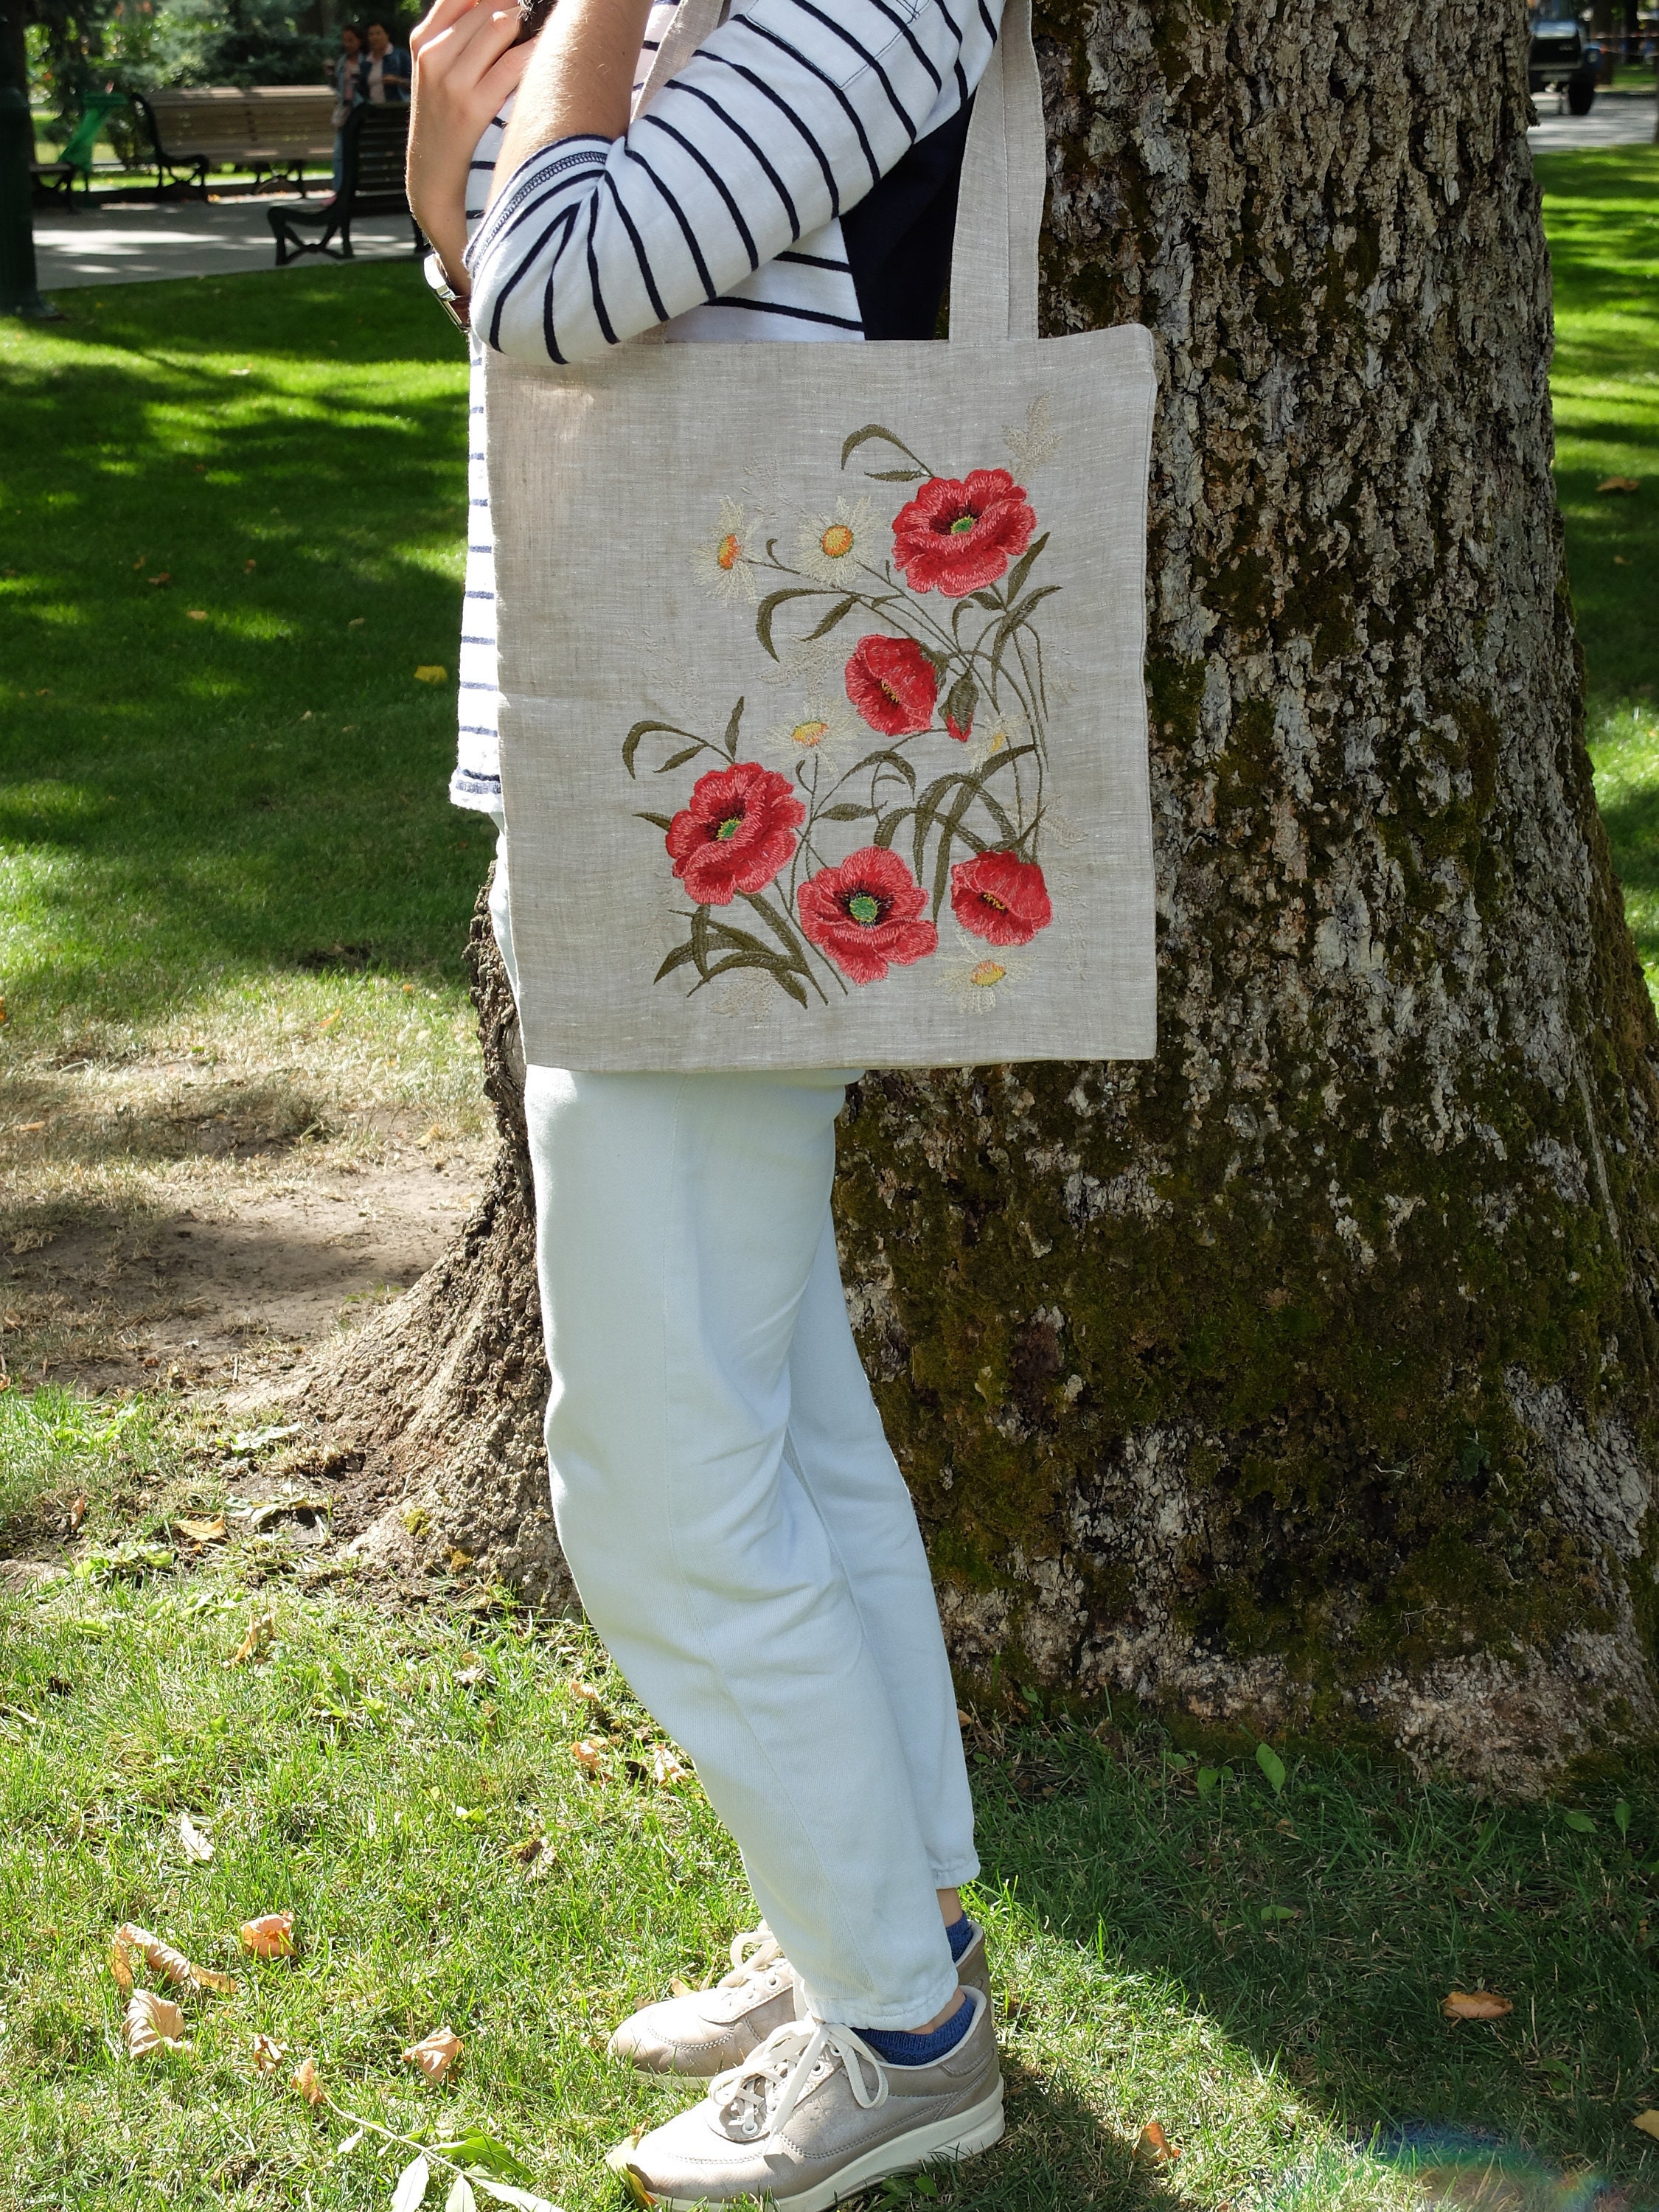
824, 734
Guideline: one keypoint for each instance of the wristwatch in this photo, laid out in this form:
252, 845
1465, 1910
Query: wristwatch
458, 306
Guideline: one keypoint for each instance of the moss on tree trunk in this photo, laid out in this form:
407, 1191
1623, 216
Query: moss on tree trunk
1303, 1378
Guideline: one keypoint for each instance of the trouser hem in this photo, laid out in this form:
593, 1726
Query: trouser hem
907, 2016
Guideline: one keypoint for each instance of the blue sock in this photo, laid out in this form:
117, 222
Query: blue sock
900, 2048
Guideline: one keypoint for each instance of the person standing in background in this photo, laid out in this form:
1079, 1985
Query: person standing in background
388, 71
348, 91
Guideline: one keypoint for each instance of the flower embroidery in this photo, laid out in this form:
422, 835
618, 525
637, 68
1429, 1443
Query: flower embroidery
866, 915
975, 978
957, 538
735, 835
951, 799
722, 560
831, 548
820, 730
893, 685
1000, 898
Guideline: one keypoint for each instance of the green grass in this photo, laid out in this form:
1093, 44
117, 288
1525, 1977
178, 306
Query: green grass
205, 781
1261, 1971
1602, 211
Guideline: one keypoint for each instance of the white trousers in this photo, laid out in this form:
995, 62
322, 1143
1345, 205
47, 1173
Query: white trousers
738, 1530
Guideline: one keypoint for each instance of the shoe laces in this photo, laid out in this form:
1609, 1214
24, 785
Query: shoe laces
756, 1954
759, 2095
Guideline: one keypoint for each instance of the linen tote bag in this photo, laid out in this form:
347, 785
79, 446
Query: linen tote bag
823, 737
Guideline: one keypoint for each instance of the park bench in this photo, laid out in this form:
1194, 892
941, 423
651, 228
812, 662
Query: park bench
373, 161
273, 130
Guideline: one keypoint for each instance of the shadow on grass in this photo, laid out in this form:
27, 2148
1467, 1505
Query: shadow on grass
236, 513
1320, 1929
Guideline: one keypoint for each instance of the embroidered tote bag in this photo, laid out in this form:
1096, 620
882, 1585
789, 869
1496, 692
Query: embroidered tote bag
824, 738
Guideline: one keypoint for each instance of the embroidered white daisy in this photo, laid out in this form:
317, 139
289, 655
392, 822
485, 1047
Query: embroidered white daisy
977, 974
824, 730
722, 558
995, 730
833, 549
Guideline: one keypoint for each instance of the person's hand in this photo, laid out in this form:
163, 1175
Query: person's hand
465, 64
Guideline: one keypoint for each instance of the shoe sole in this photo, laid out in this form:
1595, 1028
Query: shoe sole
962, 2136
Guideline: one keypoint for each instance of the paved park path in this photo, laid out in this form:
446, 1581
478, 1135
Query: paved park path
132, 245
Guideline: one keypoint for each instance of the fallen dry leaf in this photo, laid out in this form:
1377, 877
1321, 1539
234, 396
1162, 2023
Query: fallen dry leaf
1152, 2143
161, 1958
665, 1769
267, 2054
196, 1847
205, 1532
195, 614
587, 1754
260, 1631
472, 1675
1619, 483
434, 2054
77, 1514
166, 577
432, 674
270, 1936
1476, 2004
151, 2023
305, 2081
1647, 2122
677, 1987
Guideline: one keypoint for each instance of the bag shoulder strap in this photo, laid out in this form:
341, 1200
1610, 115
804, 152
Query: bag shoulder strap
1005, 174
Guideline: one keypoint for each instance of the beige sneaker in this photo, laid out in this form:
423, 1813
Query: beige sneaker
814, 2116
708, 2030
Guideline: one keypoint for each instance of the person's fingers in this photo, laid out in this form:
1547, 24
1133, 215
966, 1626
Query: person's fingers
438, 17
465, 51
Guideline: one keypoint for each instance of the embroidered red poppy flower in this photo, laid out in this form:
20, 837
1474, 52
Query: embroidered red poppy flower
866, 915
893, 685
1000, 898
739, 830
958, 537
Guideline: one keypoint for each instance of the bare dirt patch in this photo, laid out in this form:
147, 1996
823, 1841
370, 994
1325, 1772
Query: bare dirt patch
163, 1223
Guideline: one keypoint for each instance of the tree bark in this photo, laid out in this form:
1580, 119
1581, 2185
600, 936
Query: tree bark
1301, 1379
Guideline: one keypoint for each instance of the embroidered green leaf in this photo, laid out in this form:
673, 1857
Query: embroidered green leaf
836, 615
657, 821
991, 601
679, 759
631, 742
769, 607
1016, 619
846, 813
1022, 567
786, 936
895, 476
677, 958
730, 740
884, 758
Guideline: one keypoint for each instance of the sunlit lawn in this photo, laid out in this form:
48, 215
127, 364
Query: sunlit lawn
1601, 210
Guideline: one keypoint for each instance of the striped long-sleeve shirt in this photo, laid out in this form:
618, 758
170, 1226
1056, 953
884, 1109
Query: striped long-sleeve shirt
743, 204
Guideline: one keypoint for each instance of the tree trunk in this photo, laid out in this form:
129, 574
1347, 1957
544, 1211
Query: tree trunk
1301, 1379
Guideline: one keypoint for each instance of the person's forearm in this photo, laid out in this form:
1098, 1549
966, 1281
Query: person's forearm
579, 82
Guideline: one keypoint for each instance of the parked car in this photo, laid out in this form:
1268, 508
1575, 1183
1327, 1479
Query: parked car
1563, 58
